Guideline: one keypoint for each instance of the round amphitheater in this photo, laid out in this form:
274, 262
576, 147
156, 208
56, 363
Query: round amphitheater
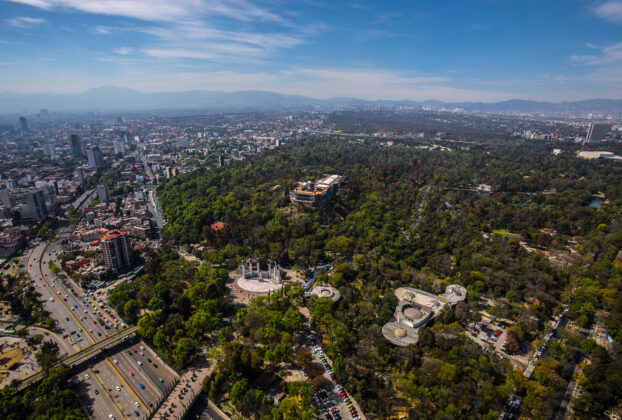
258, 285
327, 292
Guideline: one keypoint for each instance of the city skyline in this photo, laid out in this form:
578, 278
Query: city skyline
481, 51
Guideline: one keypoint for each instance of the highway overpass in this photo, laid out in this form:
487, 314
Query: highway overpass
82, 355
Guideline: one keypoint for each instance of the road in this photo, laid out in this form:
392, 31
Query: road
64, 347
84, 318
81, 355
148, 171
121, 369
79, 320
79, 325
154, 207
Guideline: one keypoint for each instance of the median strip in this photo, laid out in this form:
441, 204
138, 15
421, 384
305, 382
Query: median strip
143, 405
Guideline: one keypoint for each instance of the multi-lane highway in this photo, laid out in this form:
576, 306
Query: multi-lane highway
80, 320
117, 381
125, 382
81, 355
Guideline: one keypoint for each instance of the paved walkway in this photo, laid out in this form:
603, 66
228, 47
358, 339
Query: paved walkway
188, 387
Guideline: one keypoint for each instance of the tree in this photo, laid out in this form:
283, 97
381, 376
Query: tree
48, 355
239, 389
292, 320
303, 356
512, 343
225, 334
200, 323
321, 382
184, 352
588, 345
448, 373
159, 339
313, 369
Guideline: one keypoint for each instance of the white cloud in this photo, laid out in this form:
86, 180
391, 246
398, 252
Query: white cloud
163, 10
608, 55
610, 10
100, 29
182, 34
24, 22
124, 50
188, 29
177, 53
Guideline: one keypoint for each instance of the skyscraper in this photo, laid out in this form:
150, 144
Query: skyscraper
81, 177
23, 124
31, 203
76, 146
36, 205
103, 194
7, 198
94, 157
48, 149
50, 192
119, 147
116, 249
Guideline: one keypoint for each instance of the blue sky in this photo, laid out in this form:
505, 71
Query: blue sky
468, 50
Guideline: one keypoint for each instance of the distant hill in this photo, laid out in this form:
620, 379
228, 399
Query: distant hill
111, 98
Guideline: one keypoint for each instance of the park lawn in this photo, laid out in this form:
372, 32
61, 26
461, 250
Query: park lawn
505, 233
10, 358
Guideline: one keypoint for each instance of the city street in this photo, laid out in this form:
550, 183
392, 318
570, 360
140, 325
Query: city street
83, 318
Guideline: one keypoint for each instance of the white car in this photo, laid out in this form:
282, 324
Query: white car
116, 362
118, 388
51, 299
136, 403
140, 363
87, 376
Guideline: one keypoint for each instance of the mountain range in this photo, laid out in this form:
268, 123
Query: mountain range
118, 99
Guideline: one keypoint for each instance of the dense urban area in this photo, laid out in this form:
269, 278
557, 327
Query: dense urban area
378, 262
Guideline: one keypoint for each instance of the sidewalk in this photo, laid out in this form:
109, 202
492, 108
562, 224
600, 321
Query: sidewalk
189, 386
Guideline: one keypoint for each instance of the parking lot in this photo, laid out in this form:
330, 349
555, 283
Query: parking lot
486, 334
334, 402
131, 380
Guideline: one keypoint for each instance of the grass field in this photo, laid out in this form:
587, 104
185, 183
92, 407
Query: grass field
10, 358
505, 233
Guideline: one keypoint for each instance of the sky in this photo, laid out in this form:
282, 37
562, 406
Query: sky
448, 50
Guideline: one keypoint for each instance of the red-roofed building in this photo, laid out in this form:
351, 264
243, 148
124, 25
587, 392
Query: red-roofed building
217, 225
